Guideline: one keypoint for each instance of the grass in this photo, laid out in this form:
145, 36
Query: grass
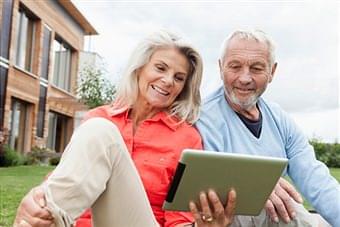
15, 182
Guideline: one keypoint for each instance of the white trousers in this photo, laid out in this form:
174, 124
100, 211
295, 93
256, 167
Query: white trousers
303, 219
96, 171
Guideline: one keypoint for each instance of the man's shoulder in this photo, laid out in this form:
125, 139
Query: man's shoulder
271, 107
213, 99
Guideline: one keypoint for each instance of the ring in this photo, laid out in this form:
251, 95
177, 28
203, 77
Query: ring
207, 218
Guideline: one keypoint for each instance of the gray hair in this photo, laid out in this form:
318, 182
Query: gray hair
186, 105
256, 35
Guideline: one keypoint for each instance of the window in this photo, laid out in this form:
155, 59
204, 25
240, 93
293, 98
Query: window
45, 53
62, 64
41, 111
5, 30
57, 131
18, 124
25, 39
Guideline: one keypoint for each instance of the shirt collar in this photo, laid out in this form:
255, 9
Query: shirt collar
171, 122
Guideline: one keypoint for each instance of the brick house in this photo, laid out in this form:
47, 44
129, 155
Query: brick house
40, 47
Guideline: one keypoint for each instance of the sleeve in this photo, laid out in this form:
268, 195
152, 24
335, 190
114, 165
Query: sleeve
173, 218
311, 176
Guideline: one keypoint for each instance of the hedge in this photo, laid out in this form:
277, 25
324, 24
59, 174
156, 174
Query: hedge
328, 153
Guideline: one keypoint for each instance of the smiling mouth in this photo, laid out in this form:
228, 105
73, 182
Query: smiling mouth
160, 90
242, 90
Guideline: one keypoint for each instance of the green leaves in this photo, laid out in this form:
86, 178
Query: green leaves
93, 88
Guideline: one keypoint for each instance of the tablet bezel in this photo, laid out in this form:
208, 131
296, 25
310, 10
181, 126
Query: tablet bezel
252, 176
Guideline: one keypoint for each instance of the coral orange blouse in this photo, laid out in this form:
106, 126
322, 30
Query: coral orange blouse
155, 149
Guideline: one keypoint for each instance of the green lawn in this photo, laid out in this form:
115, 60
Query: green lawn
15, 182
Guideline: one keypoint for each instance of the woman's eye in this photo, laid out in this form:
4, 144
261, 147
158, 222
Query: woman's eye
179, 78
160, 68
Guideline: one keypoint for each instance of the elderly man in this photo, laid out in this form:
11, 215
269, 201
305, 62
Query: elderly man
235, 118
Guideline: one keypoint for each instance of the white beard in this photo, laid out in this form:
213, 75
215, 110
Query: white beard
247, 104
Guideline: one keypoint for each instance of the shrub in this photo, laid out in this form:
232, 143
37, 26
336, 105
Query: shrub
12, 157
55, 160
39, 156
328, 153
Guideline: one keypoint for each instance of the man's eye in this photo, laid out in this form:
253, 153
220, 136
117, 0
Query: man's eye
257, 69
235, 66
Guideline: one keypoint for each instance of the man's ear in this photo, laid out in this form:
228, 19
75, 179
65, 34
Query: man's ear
220, 66
272, 72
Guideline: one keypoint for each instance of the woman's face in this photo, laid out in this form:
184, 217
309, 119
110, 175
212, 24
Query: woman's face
162, 79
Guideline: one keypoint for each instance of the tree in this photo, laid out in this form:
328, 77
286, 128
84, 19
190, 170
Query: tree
93, 88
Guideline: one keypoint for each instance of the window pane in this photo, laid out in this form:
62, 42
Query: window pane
3, 82
62, 64
52, 127
45, 53
5, 25
25, 41
41, 111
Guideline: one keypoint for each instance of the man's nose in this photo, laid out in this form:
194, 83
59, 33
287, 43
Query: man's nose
245, 76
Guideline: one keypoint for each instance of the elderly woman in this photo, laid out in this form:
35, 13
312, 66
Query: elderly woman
121, 160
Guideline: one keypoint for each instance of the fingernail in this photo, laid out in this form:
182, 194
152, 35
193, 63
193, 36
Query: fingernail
300, 200
42, 203
287, 220
293, 215
276, 220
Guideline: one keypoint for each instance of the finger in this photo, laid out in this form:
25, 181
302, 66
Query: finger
38, 222
23, 223
280, 207
38, 196
25, 219
270, 209
291, 190
33, 207
216, 204
287, 201
205, 205
195, 213
231, 204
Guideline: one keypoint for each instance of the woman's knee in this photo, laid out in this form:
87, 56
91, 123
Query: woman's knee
99, 129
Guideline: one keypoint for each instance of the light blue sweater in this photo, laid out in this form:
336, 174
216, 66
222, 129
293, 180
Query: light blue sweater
222, 130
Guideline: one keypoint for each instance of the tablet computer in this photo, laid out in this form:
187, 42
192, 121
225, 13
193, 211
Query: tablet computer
253, 177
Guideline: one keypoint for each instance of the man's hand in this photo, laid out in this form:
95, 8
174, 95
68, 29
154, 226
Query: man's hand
32, 211
280, 203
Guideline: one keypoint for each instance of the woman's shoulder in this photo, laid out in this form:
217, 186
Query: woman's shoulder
101, 111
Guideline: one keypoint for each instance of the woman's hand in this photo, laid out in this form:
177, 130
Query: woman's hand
32, 210
212, 213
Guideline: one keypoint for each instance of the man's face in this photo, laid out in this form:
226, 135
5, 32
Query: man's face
246, 71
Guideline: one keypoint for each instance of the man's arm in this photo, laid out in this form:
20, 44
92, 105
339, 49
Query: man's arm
311, 176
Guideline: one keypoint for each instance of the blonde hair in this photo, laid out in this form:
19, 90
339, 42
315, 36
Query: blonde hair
186, 105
